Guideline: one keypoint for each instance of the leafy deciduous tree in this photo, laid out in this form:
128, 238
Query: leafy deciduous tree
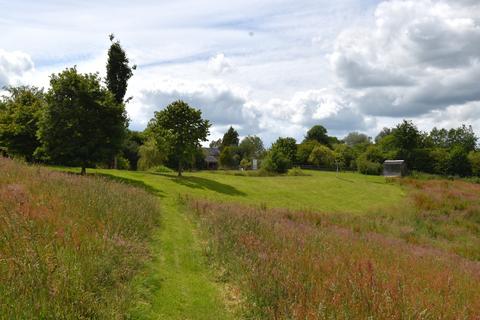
355, 138
183, 128
82, 123
228, 157
288, 146
322, 156
20, 113
275, 162
252, 147
318, 133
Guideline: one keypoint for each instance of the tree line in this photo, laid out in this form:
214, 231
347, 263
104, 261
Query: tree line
81, 121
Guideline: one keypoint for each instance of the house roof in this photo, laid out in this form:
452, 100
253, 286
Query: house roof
215, 152
394, 161
211, 159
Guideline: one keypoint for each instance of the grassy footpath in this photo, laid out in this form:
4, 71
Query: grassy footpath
178, 284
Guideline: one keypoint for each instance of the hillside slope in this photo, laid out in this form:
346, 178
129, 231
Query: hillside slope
69, 245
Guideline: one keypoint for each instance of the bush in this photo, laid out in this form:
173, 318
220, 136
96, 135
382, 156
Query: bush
245, 164
458, 163
150, 155
296, 171
368, 167
474, 159
123, 163
275, 162
322, 156
228, 157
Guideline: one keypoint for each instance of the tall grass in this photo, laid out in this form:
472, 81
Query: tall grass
302, 266
68, 244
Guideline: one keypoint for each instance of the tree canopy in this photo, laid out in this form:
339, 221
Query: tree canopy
230, 138
355, 138
288, 146
318, 133
183, 128
82, 123
118, 70
251, 147
20, 112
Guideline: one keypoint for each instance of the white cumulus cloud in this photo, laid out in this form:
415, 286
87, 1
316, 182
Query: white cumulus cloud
13, 65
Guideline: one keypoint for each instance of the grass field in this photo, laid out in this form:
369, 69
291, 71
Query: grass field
69, 245
319, 191
406, 236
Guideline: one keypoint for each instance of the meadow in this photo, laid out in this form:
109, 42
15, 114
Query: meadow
317, 246
70, 245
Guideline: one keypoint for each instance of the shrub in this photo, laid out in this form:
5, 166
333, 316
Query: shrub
458, 163
228, 157
150, 154
123, 163
322, 156
368, 167
245, 164
305, 149
474, 159
296, 171
275, 162
439, 161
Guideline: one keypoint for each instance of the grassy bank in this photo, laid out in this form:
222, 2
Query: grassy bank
293, 265
69, 245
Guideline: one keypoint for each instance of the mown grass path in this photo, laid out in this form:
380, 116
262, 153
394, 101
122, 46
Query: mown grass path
178, 283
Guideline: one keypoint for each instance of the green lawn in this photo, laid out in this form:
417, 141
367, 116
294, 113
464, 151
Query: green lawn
320, 191
178, 284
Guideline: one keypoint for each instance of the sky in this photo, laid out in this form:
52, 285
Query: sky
267, 68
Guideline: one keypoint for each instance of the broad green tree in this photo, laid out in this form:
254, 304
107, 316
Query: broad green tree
183, 128
252, 147
322, 156
151, 154
318, 133
288, 146
355, 138
305, 149
474, 158
82, 123
230, 138
118, 70
275, 162
229, 158
20, 113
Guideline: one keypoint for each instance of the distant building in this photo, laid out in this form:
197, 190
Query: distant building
211, 158
394, 168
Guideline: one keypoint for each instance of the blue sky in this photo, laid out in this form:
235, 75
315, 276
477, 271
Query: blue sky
270, 68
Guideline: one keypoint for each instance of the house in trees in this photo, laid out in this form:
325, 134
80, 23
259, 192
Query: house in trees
394, 168
211, 158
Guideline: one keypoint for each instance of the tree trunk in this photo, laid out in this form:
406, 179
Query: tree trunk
84, 170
